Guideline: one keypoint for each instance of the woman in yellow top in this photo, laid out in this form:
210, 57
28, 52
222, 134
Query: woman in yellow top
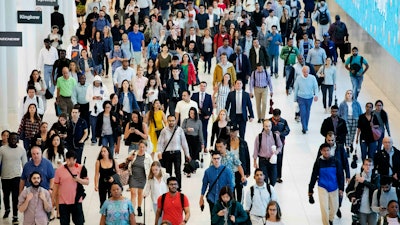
155, 119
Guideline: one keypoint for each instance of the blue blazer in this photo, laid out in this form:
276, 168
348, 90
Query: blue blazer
246, 105
207, 104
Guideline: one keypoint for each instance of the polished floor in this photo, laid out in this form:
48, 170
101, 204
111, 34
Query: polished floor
300, 153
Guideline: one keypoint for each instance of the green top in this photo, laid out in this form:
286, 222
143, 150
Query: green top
185, 72
294, 52
66, 86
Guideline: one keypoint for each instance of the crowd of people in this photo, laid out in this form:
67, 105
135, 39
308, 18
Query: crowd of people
150, 50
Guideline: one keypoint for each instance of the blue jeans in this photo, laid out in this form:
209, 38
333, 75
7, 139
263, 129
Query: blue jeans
108, 140
273, 59
327, 89
356, 81
47, 69
133, 146
305, 107
368, 149
93, 122
78, 153
268, 169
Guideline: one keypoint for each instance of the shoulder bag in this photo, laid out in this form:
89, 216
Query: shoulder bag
376, 131
213, 184
162, 162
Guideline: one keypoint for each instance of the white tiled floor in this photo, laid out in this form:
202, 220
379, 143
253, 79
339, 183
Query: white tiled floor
300, 153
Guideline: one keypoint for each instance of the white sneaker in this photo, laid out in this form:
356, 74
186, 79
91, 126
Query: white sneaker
116, 156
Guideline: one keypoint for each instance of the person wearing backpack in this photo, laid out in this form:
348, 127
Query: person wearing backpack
267, 146
172, 204
228, 211
355, 65
338, 32
323, 18
383, 196
257, 198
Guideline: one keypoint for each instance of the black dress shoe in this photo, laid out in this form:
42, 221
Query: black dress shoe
339, 213
259, 121
304, 132
279, 180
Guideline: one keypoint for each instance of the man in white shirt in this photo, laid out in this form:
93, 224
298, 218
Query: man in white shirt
47, 56
272, 20
122, 73
257, 198
183, 107
31, 98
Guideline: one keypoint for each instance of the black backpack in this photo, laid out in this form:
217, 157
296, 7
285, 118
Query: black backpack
233, 208
323, 17
260, 139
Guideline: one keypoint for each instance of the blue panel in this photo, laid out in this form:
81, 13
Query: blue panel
380, 18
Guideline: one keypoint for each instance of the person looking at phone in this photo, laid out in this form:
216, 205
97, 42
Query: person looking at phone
383, 196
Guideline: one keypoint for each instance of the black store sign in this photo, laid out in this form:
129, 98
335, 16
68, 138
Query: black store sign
47, 2
34, 17
10, 38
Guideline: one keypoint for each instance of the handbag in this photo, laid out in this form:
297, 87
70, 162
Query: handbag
355, 206
122, 176
347, 48
376, 131
190, 167
48, 94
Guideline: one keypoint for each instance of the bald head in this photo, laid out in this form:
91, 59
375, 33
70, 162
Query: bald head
305, 70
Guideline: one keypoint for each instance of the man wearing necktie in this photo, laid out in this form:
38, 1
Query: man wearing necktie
205, 105
237, 104
242, 65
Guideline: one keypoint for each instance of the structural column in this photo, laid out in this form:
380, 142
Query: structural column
3, 73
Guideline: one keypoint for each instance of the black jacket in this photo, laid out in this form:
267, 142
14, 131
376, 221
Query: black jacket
114, 125
356, 191
381, 162
341, 129
263, 58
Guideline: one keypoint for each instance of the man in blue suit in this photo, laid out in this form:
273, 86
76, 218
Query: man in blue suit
237, 104
242, 65
205, 105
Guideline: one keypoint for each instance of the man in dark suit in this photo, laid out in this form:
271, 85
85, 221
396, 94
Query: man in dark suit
193, 37
237, 103
387, 161
242, 65
57, 19
336, 124
263, 58
205, 105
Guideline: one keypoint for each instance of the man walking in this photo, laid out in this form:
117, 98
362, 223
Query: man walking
12, 159
65, 87
355, 65
257, 198
171, 205
170, 142
77, 133
340, 35
215, 177
260, 81
330, 184
267, 146
305, 90
238, 103
47, 57
70, 197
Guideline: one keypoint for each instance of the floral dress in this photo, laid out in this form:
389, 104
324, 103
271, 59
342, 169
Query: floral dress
117, 212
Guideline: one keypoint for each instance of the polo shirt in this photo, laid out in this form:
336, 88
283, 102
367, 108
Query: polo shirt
136, 40
172, 210
45, 168
66, 86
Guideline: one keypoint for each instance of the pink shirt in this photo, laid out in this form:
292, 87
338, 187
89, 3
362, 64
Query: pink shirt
66, 184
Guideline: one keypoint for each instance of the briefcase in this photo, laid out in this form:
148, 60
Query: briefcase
347, 48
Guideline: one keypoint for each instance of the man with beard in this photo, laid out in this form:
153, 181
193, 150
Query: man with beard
35, 201
381, 197
354, 64
12, 158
